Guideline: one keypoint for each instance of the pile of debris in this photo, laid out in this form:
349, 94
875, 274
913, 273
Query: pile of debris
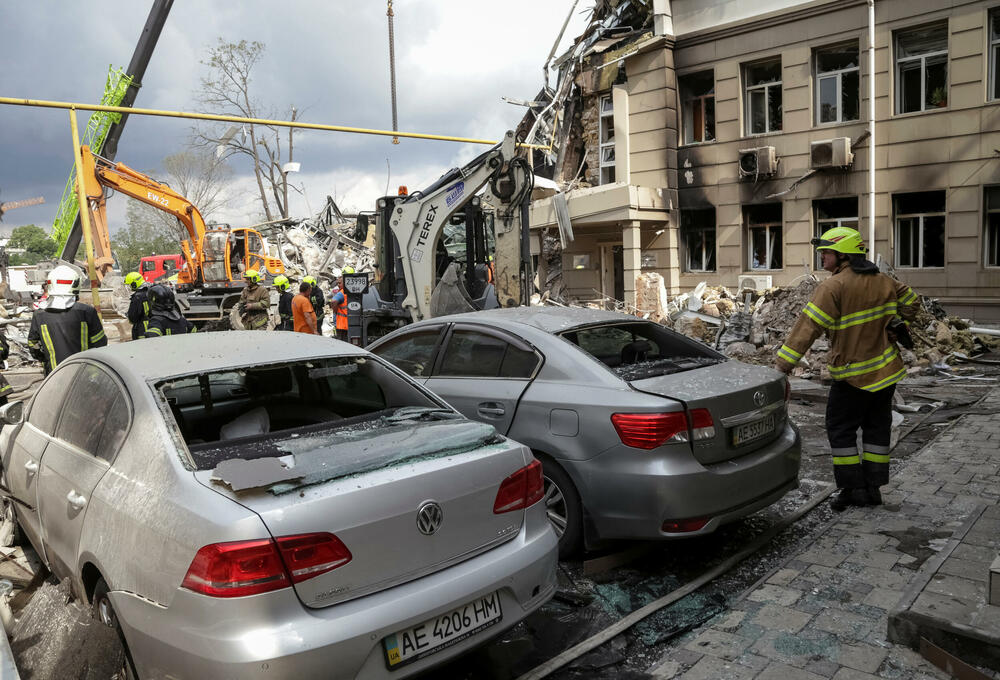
751, 325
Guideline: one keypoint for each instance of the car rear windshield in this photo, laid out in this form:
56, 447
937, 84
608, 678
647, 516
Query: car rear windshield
225, 412
637, 350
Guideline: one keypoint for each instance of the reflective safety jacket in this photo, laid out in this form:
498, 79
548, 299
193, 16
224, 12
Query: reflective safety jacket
854, 310
339, 304
254, 301
138, 311
56, 334
161, 325
285, 311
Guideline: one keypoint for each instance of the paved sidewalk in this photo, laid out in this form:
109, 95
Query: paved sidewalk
825, 613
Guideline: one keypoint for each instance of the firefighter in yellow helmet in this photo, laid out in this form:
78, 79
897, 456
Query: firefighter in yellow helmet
255, 301
854, 308
284, 287
138, 305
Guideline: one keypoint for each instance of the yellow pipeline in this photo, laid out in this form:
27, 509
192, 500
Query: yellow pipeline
255, 121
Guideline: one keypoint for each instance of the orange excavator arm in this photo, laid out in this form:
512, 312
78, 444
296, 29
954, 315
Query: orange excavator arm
99, 173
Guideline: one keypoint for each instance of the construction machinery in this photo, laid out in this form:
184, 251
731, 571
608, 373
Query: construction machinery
214, 257
441, 250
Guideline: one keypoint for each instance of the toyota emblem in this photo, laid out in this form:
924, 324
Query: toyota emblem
429, 518
759, 398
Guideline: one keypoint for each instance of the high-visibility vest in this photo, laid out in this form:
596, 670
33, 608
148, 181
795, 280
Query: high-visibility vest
341, 312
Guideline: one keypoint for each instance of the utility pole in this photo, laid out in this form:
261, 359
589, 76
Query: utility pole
285, 170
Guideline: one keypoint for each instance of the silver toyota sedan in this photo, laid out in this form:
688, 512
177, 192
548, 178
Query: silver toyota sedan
275, 505
642, 432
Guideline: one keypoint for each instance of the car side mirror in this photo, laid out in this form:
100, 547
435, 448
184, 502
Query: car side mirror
12, 413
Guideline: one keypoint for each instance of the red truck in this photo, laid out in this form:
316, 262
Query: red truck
154, 267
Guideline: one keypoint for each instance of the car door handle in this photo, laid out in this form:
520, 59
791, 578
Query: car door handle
76, 500
31, 466
490, 408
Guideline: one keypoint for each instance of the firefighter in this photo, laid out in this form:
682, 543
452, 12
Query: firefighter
339, 305
165, 318
317, 300
284, 287
5, 387
854, 308
138, 304
62, 325
255, 301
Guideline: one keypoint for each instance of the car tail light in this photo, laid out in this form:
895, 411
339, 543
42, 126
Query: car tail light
521, 490
240, 568
309, 555
650, 430
236, 569
677, 526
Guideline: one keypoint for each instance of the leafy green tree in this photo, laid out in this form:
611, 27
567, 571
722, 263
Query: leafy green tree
37, 245
144, 235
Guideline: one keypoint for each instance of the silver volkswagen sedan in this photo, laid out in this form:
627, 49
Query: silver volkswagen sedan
642, 432
276, 505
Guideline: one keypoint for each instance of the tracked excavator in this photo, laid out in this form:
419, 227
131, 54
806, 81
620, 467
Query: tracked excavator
214, 258
447, 249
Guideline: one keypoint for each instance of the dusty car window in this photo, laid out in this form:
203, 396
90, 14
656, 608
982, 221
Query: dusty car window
641, 350
260, 403
412, 353
518, 363
471, 354
88, 405
47, 403
115, 429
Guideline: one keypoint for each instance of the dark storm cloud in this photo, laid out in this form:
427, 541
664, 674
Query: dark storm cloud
328, 58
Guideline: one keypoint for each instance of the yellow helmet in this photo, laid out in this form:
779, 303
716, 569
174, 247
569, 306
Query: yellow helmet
311, 280
841, 239
252, 275
133, 280
281, 282
347, 270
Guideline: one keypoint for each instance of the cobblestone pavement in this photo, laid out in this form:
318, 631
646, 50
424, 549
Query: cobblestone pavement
825, 612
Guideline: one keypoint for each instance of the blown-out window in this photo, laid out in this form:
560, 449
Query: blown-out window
763, 236
922, 68
992, 226
834, 212
920, 229
763, 96
607, 145
698, 232
698, 107
838, 84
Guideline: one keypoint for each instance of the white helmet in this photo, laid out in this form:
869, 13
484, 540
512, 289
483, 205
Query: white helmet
63, 280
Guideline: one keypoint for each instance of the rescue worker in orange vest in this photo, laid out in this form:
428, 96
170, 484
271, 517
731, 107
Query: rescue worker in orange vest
854, 308
339, 305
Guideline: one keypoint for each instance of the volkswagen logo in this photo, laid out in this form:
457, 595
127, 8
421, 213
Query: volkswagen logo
759, 398
429, 518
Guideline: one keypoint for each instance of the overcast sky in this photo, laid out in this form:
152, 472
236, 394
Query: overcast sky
455, 59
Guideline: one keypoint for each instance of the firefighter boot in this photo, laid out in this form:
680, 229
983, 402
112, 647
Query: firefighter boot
874, 495
847, 497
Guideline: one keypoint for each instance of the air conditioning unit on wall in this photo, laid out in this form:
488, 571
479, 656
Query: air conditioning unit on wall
757, 282
831, 153
759, 162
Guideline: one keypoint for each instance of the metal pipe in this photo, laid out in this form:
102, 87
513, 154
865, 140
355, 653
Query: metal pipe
984, 331
871, 129
88, 238
45, 104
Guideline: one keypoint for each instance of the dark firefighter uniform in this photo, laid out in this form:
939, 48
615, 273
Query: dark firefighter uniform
854, 310
56, 334
160, 324
5, 387
318, 301
285, 310
138, 312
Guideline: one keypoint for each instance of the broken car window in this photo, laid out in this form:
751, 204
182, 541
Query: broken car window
47, 403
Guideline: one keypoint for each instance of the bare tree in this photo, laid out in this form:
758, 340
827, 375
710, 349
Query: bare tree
227, 91
202, 178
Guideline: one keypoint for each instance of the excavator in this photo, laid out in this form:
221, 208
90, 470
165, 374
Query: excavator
215, 258
425, 268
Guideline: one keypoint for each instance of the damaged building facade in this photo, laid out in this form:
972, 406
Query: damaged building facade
710, 140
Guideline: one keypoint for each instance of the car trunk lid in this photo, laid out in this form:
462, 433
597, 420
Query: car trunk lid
746, 402
367, 487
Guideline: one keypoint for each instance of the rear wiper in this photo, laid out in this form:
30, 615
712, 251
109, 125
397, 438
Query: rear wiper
420, 412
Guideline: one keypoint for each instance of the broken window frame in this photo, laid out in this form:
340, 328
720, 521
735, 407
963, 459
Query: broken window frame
824, 223
918, 224
936, 57
994, 30
692, 104
606, 149
773, 239
706, 253
749, 90
991, 226
838, 76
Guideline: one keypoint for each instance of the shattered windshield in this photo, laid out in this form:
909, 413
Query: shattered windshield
638, 350
240, 413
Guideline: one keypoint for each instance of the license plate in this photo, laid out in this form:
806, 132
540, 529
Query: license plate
748, 432
441, 632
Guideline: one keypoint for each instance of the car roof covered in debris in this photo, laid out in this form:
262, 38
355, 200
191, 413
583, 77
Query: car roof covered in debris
157, 358
549, 319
